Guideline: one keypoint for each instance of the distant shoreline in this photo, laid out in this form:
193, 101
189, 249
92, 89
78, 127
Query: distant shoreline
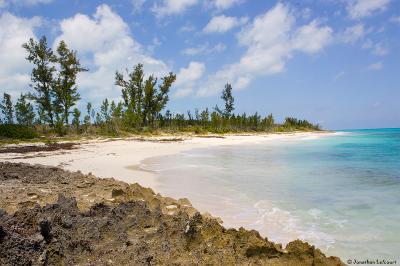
115, 157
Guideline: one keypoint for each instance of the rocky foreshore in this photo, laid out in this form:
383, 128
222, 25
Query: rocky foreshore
49, 216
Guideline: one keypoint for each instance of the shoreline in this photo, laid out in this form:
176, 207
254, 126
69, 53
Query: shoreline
121, 158
52, 216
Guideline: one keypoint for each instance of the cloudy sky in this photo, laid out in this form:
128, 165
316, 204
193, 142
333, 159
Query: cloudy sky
334, 62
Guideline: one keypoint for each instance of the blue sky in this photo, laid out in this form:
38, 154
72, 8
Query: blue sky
334, 62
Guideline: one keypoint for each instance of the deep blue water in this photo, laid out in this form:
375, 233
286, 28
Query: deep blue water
340, 192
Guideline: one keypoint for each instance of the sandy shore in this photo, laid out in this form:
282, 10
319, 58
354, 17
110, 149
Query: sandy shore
121, 159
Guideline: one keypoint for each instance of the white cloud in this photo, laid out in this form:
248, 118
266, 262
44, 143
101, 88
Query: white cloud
353, 33
14, 69
187, 78
204, 49
271, 40
223, 23
105, 44
363, 8
171, 7
375, 66
311, 38
379, 48
188, 27
225, 4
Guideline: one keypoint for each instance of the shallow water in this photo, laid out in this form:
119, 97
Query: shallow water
339, 192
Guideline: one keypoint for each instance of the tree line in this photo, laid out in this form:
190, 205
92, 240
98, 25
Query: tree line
54, 97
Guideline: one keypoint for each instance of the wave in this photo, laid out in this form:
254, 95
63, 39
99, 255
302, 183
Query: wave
282, 226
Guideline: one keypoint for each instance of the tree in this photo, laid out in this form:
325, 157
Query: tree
24, 111
269, 122
149, 99
142, 99
86, 119
204, 116
42, 75
228, 99
75, 121
66, 91
7, 109
105, 115
116, 110
132, 94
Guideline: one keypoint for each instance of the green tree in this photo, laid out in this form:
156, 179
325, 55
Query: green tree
42, 75
76, 119
7, 109
269, 122
149, 100
87, 120
204, 116
66, 91
24, 111
116, 110
105, 115
228, 99
132, 94
142, 99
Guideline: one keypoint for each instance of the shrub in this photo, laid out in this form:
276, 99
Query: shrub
17, 132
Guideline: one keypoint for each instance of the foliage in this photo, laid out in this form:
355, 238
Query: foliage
144, 99
42, 76
7, 109
17, 132
65, 90
294, 123
228, 99
76, 120
24, 111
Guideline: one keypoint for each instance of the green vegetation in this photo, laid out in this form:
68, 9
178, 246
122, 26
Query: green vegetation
17, 131
46, 110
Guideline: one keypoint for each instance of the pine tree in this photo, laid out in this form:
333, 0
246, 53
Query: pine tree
149, 99
142, 99
105, 115
42, 75
269, 122
66, 91
205, 117
7, 109
87, 120
24, 111
132, 94
228, 99
75, 121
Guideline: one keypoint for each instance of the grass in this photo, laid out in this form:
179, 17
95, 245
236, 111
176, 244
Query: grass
51, 137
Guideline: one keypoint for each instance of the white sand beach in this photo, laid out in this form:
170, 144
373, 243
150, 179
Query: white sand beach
121, 159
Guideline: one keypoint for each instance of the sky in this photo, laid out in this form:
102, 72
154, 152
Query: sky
333, 62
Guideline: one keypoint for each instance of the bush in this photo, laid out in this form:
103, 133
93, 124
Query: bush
17, 132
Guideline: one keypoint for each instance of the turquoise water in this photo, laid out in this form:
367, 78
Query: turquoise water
340, 192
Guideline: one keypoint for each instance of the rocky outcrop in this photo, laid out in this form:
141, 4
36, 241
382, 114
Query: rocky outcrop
54, 217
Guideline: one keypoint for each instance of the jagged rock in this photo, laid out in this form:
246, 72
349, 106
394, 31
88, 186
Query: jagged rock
79, 227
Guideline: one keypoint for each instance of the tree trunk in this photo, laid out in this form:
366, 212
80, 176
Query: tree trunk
66, 114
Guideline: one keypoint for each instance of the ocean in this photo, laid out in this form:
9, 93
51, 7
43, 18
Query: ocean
340, 192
